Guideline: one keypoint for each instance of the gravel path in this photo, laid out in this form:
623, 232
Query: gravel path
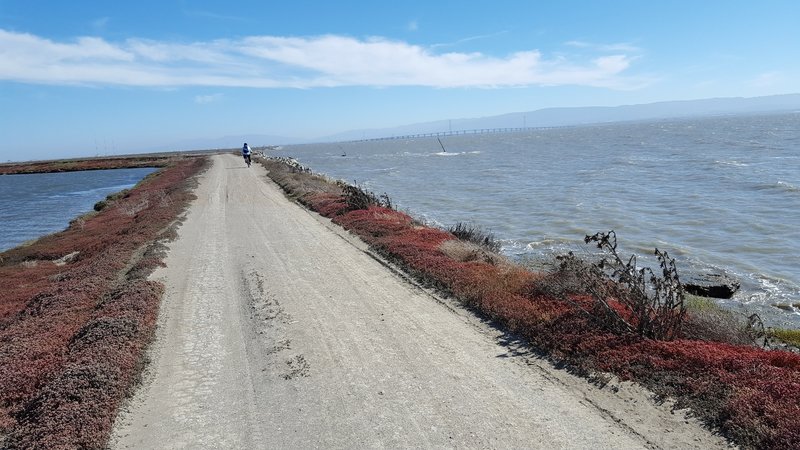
278, 330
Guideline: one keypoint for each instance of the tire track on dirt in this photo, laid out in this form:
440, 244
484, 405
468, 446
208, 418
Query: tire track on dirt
278, 333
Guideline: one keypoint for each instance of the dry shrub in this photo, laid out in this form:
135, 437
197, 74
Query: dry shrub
708, 322
357, 198
465, 251
297, 180
484, 280
652, 304
476, 235
568, 279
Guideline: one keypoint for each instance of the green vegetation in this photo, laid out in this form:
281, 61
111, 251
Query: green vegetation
791, 337
707, 321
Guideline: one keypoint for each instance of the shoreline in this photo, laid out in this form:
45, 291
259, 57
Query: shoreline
78, 310
76, 165
703, 223
396, 237
549, 321
283, 331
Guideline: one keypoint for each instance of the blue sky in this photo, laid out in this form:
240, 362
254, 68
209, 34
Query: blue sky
85, 78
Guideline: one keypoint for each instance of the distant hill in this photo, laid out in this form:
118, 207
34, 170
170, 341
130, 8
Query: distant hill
550, 117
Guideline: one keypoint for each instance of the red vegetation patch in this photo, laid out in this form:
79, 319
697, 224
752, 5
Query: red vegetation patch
374, 222
72, 336
328, 205
751, 394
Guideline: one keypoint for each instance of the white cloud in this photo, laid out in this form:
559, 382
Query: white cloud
468, 39
210, 98
619, 47
413, 26
300, 62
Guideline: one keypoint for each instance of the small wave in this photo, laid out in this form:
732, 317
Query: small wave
382, 170
782, 186
733, 163
768, 289
95, 191
788, 187
542, 243
447, 154
551, 245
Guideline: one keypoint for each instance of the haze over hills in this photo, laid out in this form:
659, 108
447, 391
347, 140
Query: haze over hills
549, 117
229, 142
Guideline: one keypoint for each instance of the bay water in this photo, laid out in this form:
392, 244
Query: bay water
34, 205
720, 194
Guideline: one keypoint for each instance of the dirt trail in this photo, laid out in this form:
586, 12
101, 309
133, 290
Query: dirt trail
279, 331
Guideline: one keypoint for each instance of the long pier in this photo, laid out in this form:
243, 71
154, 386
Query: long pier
454, 133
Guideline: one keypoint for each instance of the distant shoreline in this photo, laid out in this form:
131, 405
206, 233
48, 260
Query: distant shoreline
56, 166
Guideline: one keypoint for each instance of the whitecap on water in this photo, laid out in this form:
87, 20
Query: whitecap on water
731, 163
788, 187
476, 152
782, 186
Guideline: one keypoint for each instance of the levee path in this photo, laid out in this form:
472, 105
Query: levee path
278, 330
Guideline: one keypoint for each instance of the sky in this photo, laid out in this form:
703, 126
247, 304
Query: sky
90, 77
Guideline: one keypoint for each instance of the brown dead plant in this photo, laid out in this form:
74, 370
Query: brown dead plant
624, 298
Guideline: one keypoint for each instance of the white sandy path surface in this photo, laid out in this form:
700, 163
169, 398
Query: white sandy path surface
280, 331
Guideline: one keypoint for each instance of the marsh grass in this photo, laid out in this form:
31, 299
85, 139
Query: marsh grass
467, 251
475, 234
707, 321
296, 182
791, 337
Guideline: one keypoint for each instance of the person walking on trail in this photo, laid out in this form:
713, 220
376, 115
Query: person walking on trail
246, 153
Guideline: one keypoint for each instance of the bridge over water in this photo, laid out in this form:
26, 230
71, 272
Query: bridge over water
456, 133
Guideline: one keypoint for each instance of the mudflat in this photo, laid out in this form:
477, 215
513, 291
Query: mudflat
279, 330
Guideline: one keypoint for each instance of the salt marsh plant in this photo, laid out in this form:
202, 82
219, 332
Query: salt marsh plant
475, 234
359, 198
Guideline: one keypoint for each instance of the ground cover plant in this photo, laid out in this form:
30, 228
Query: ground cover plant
71, 165
615, 318
77, 311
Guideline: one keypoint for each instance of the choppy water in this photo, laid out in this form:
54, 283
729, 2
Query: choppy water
719, 194
38, 204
